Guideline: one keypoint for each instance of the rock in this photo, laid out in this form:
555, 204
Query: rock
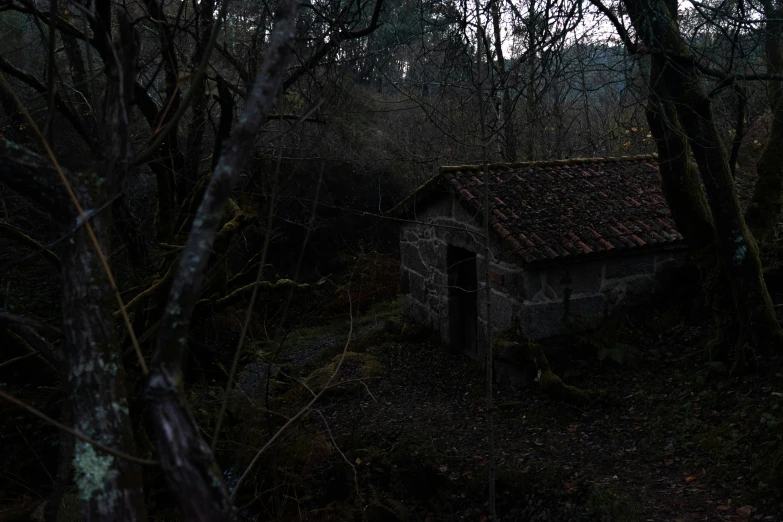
355, 366
252, 379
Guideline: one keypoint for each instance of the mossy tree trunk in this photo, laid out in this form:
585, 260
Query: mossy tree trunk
736, 247
111, 488
767, 201
683, 191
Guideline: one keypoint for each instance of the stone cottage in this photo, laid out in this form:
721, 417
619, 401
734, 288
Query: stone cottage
571, 241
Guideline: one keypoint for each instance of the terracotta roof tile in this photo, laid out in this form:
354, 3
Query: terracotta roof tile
570, 207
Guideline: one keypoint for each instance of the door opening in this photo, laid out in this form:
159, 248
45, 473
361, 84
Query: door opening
463, 292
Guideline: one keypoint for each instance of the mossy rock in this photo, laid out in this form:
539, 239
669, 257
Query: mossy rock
511, 351
406, 332
386, 509
554, 386
414, 333
393, 325
355, 366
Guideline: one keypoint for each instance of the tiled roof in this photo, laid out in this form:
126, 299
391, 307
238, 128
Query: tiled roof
567, 208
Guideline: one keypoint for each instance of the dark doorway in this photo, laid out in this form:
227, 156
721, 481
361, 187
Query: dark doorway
463, 291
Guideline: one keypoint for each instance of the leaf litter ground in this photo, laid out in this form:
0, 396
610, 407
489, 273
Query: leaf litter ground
674, 439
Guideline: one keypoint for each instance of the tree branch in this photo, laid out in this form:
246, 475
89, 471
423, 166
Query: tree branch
187, 460
32, 176
59, 102
6, 318
17, 234
333, 43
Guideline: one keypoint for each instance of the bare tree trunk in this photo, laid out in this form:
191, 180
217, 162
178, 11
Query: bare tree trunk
509, 132
767, 202
736, 247
531, 86
489, 362
111, 488
679, 177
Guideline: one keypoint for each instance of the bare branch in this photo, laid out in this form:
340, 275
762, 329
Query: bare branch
303, 410
17, 234
32, 176
79, 435
6, 318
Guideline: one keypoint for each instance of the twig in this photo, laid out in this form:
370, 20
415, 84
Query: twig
17, 359
334, 443
150, 291
16, 233
303, 410
6, 318
159, 136
40, 460
76, 226
77, 434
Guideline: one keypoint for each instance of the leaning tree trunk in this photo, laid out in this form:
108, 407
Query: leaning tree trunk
682, 189
767, 202
187, 460
737, 249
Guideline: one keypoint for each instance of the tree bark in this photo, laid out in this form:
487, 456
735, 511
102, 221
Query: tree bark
737, 249
767, 202
679, 177
682, 189
110, 488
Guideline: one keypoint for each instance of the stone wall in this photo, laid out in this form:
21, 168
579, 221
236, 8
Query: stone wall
578, 296
536, 303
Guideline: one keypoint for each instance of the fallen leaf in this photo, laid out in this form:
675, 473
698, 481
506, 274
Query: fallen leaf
690, 478
358, 460
744, 511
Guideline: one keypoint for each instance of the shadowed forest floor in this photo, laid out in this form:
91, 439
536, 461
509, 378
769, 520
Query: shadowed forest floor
675, 439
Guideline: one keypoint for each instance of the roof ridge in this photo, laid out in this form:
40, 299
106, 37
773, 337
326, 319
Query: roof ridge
547, 163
